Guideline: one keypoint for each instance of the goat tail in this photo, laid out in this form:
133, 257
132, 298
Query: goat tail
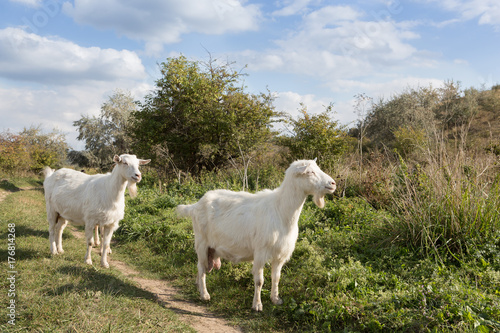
184, 210
47, 172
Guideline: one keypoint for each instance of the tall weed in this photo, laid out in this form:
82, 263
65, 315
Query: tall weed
447, 203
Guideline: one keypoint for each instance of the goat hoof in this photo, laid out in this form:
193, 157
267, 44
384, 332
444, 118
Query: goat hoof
88, 261
108, 251
105, 264
257, 307
60, 251
277, 301
205, 297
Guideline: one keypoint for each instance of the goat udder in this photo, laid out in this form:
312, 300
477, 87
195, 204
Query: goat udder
212, 262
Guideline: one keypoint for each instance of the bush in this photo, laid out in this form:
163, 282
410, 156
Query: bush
315, 136
31, 150
407, 140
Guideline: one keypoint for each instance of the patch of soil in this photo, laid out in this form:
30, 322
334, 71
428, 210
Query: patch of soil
3, 195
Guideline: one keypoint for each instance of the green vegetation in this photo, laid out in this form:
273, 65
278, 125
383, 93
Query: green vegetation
199, 117
30, 150
350, 270
315, 136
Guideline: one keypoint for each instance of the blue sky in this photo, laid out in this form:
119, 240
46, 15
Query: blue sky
61, 59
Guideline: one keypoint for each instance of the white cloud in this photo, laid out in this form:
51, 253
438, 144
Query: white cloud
58, 107
289, 102
291, 7
485, 11
339, 42
387, 88
461, 62
330, 16
165, 21
52, 82
30, 57
50, 108
344, 51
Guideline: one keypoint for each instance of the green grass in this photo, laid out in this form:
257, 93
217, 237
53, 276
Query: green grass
61, 293
347, 274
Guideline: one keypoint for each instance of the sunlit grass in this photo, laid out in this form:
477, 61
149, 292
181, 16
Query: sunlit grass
61, 293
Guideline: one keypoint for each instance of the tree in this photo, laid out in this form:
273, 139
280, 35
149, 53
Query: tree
45, 149
31, 150
199, 116
13, 155
315, 136
457, 107
446, 110
106, 135
413, 108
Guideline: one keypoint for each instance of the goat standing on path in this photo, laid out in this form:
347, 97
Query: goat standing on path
263, 227
90, 200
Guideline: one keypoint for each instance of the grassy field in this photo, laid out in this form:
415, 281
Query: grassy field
61, 293
348, 273
345, 274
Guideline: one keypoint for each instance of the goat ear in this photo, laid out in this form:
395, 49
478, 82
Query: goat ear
315, 159
302, 169
142, 162
117, 159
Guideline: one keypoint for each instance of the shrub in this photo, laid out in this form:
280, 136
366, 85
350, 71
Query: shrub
31, 150
315, 136
408, 139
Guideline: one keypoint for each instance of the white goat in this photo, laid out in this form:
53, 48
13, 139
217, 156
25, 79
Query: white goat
96, 201
263, 227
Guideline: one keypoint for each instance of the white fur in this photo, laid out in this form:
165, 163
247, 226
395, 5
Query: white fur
263, 227
91, 200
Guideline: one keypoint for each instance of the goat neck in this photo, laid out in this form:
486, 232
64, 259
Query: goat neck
290, 201
117, 184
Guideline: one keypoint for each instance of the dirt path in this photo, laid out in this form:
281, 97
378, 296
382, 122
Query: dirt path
192, 314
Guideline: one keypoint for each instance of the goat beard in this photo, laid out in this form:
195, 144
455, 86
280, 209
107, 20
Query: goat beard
132, 189
319, 201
